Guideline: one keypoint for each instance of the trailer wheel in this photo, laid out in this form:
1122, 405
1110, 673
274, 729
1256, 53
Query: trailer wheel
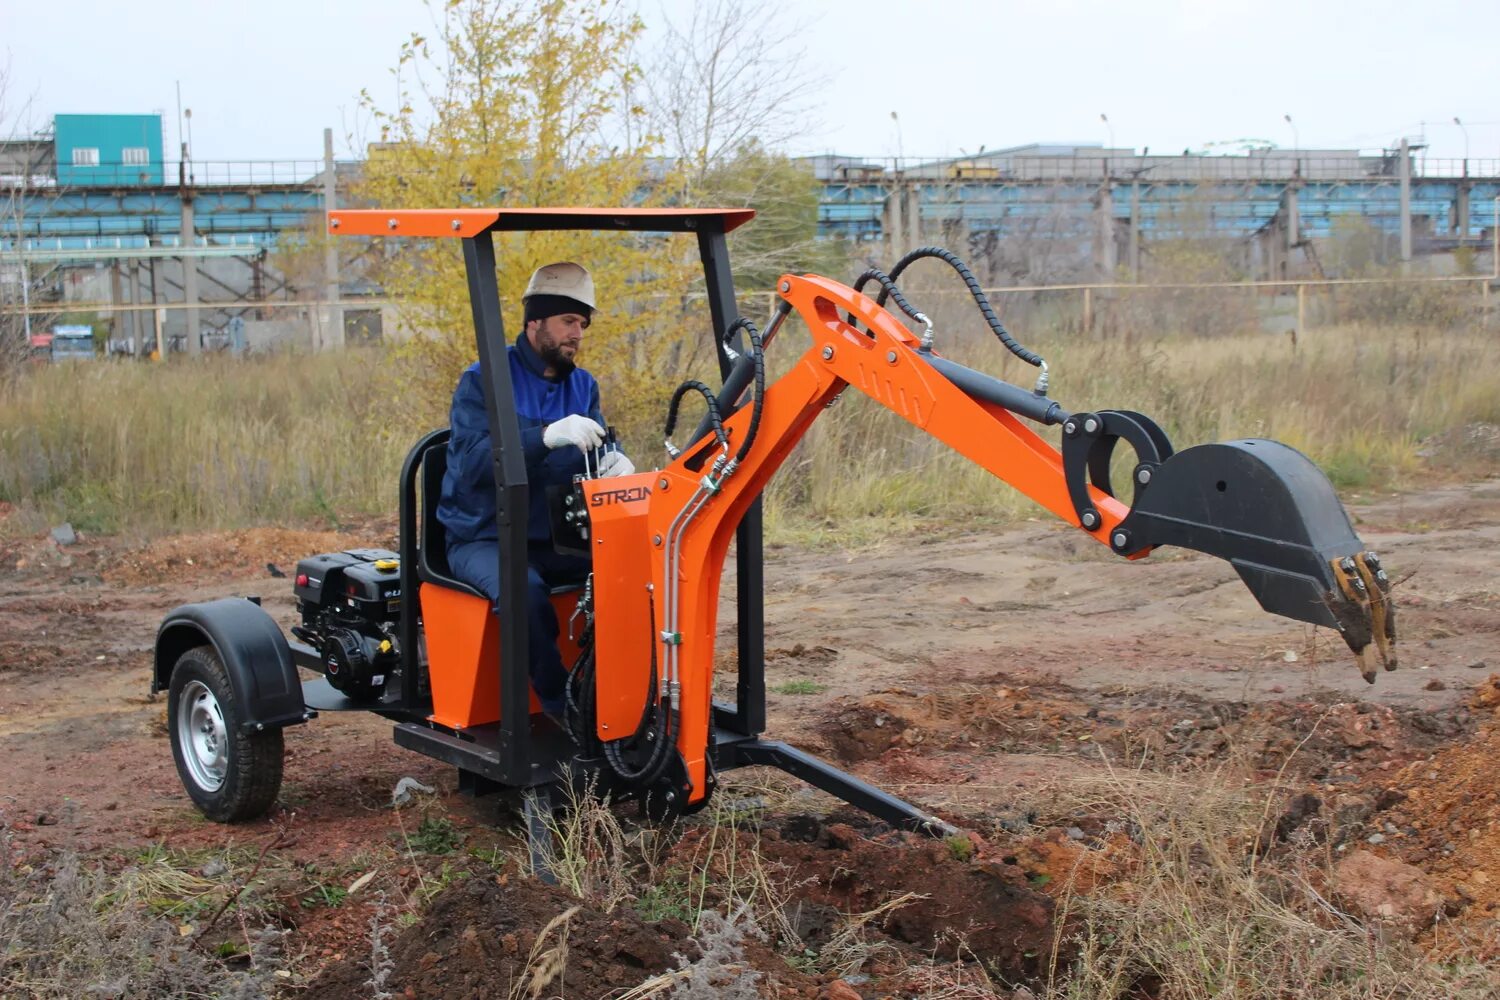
229, 773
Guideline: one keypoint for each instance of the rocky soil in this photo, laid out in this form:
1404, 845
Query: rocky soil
995, 679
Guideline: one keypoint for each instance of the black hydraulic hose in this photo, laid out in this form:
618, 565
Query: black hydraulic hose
715, 420
657, 714
660, 738
951, 259
582, 698
887, 287
758, 353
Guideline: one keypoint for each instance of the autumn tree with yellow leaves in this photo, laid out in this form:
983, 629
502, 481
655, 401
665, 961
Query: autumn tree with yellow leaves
542, 103
518, 104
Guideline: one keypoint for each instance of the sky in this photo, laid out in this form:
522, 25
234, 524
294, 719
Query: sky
896, 78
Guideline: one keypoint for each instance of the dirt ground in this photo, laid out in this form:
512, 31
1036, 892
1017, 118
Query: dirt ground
972, 673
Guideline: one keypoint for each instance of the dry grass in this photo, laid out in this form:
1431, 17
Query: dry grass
593, 856
1358, 400
1202, 915
215, 443
70, 928
223, 443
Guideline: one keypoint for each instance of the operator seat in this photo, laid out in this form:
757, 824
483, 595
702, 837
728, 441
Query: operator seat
461, 628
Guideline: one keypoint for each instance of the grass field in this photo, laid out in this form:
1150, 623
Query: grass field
222, 442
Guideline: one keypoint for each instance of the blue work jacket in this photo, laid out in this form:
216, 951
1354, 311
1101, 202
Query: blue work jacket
467, 509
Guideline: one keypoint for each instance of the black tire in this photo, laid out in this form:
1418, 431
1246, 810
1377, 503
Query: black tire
229, 774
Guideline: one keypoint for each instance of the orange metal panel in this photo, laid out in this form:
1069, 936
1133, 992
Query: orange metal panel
624, 609
411, 221
463, 650
430, 222
463, 647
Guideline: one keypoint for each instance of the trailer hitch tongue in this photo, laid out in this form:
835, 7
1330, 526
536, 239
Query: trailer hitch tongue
1269, 511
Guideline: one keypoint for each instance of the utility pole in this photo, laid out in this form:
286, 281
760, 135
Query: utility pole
333, 312
188, 240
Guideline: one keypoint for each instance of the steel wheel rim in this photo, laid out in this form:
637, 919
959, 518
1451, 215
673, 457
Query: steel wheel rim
202, 735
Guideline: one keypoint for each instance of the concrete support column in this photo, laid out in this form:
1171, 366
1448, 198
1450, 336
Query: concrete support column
333, 315
892, 225
913, 215
1405, 174
158, 315
1135, 231
1272, 242
1461, 209
135, 314
1105, 255
117, 318
1292, 217
189, 239
258, 282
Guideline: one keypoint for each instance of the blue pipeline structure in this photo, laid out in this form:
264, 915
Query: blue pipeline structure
1068, 192
100, 182
248, 213
89, 217
1166, 211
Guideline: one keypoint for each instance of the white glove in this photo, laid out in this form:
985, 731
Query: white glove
574, 429
615, 463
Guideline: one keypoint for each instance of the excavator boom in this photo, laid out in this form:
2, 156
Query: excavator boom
659, 539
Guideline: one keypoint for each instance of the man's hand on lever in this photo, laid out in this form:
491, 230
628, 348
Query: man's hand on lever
615, 463
574, 429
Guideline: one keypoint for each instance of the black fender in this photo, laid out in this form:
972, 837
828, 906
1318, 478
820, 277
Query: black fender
252, 649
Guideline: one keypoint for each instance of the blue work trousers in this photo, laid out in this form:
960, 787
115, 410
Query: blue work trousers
478, 564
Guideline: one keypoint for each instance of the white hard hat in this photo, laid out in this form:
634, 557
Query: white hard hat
563, 278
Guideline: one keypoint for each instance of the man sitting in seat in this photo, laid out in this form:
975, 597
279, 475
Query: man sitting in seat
558, 405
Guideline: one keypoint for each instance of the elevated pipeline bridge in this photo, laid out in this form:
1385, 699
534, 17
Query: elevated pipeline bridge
251, 203
163, 235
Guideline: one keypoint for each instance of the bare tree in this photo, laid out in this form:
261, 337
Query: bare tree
18, 169
732, 75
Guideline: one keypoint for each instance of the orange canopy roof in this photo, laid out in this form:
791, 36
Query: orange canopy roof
473, 221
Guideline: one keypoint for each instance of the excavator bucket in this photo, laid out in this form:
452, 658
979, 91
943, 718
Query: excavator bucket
1268, 510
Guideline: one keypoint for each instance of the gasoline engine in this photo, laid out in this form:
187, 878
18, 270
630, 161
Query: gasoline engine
350, 602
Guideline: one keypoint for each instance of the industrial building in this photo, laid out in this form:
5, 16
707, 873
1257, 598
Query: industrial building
98, 216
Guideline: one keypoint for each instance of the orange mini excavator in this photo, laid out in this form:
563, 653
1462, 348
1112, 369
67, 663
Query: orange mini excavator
394, 633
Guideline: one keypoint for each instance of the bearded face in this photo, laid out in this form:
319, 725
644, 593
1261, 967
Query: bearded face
557, 340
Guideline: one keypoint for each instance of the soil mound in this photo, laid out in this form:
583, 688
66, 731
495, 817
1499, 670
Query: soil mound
483, 939
1445, 814
251, 552
950, 905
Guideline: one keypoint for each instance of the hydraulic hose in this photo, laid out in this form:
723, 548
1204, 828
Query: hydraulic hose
582, 698
716, 422
758, 353
887, 287
951, 259
656, 726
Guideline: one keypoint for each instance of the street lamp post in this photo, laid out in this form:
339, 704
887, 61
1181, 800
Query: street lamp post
1465, 131
1296, 144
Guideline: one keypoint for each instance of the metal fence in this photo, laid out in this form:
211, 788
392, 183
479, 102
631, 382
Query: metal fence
1096, 164
1096, 310
1079, 165
194, 173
